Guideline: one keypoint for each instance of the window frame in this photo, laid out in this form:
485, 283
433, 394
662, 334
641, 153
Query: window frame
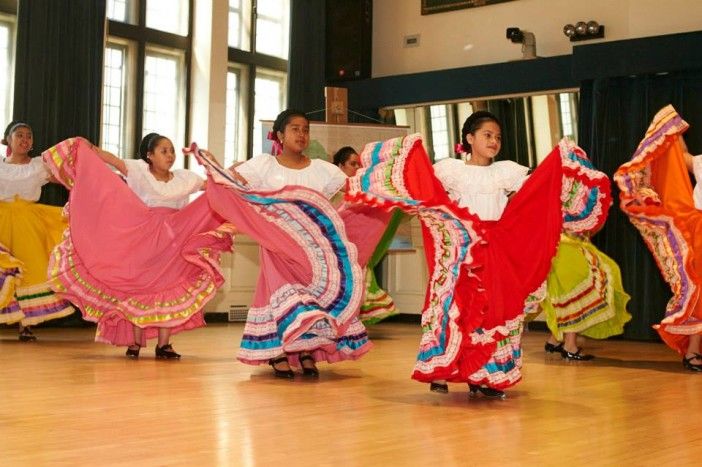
143, 38
10, 19
127, 110
250, 62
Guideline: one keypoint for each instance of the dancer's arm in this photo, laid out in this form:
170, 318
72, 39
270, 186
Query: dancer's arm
110, 159
231, 170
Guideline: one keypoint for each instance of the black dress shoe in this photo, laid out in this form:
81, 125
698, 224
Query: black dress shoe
687, 363
576, 356
485, 391
166, 352
313, 371
132, 352
441, 388
551, 348
26, 335
287, 374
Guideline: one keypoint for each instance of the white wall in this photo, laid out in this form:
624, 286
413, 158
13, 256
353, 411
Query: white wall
476, 36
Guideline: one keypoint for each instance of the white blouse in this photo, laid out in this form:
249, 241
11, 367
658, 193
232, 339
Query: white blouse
697, 170
174, 193
263, 172
22, 180
482, 189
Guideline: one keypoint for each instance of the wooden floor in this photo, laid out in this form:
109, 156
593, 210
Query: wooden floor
66, 400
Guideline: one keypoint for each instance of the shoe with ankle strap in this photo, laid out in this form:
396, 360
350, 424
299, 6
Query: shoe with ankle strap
492, 393
132, 352
166, 352
577, 356
687, 363
313, 371
286, 374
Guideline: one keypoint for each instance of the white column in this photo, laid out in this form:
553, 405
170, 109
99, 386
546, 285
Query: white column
209, 75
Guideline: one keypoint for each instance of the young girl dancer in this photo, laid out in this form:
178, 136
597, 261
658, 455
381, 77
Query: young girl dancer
156, 264
657, 195
584, 296
484, 187
480, 271
583, 293
28, 233
305, 309
377, 304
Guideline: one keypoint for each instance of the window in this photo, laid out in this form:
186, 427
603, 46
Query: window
163, 106
272, 27
438, 117
260, 61
232, 148
567, 115
114, 96
239, 24
7, 49
146, 74
270, 101
121, 10
168, 15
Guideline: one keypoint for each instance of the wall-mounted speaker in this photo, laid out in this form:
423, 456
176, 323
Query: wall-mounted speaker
349, 32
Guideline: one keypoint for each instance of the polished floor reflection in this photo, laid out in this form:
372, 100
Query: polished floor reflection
65, 400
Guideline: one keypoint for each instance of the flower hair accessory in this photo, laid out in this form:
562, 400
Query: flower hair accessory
277, 147
460, 151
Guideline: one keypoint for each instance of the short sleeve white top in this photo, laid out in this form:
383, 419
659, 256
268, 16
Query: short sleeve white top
174, 193
697, 170
22, 180
263, 172
482, 189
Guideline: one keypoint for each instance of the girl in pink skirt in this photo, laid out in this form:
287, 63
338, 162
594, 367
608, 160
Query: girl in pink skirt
138, 259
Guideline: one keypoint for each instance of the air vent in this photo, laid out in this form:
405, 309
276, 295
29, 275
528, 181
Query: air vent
237, 313
411, 40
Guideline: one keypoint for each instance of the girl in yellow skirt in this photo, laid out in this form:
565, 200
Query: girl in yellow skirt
28, 233
583, 293
584, 296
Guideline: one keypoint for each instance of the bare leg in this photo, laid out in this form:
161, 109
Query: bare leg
138, 333
693, 348
133, 350
164, 334
570, 341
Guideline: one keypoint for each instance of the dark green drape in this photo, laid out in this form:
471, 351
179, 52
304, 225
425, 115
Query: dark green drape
306, 59
614, 115
58, 77
515, 145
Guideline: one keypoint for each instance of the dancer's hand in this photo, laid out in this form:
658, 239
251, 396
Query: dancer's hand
237, 175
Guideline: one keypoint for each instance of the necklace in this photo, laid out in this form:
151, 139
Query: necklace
160, 178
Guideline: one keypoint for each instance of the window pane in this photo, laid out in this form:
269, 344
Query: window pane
121, 10
6, 71
163, 99
113, 100
273, 27
269, 102
439, 131
240, 24
231, 132
567, 117
168, 15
